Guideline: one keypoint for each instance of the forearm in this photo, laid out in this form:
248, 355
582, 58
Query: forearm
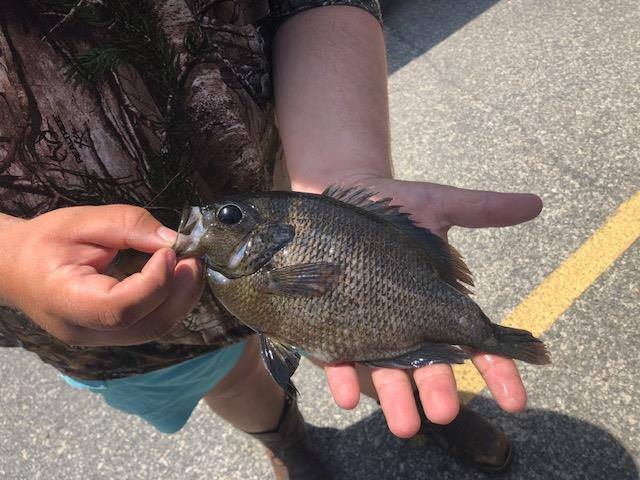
330, 78
6, 255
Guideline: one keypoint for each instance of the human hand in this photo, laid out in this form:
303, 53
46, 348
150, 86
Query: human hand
437, 207
53, 269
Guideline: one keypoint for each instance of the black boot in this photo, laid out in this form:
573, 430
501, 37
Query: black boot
289, 448
470, 439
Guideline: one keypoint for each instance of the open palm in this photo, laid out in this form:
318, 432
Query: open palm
438, 207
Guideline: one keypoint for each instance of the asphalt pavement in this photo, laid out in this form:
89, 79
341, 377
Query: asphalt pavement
529, 96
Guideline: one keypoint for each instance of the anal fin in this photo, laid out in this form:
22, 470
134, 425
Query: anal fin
425, 354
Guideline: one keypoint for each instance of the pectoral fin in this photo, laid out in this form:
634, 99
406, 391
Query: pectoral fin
426, 354
306, 279
281, 361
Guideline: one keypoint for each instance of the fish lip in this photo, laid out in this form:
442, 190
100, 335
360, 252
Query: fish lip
190, 232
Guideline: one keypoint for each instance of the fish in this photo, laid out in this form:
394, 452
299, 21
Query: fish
343, 277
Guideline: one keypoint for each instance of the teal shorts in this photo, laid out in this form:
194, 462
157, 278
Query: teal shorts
166, 398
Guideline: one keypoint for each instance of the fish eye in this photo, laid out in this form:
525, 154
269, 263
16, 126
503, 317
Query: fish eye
229, 214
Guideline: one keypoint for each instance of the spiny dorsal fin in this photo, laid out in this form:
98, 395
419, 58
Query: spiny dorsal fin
445, 259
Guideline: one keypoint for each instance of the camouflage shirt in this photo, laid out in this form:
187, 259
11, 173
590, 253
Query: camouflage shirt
157, 103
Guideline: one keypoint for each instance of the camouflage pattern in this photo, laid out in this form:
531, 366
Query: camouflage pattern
197, 124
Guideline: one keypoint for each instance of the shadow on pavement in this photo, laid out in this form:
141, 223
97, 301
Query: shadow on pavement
415, 26
547, 445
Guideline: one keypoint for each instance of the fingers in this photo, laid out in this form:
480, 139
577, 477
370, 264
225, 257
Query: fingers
474, 208
436, 386
118, 227
503, 380
141, 293
187, 285
186, 290
395, 393
343, 384
438, 392
85, 307
103, 303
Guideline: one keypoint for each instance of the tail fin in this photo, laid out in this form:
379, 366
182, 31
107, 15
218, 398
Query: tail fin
520, 345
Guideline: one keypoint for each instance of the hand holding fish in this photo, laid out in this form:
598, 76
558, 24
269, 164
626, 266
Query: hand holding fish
66, 252
347, 277
341, 134
437, 207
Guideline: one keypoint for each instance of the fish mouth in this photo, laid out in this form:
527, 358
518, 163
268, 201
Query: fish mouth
190, 232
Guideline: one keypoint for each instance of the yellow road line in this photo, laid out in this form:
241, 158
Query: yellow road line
538, 311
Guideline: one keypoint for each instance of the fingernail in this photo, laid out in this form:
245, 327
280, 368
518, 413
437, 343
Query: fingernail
184, 274
167, 234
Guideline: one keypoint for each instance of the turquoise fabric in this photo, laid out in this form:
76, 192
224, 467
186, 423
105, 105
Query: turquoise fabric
166, 398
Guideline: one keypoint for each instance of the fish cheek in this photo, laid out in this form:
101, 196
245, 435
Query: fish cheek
219, 245
258, 248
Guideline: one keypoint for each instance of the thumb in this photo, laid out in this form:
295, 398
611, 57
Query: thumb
121, 227
476, 208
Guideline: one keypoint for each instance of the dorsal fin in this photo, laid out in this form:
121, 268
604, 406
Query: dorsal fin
445, 259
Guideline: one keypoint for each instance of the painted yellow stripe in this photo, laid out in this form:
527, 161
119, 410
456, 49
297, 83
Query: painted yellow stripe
538, 311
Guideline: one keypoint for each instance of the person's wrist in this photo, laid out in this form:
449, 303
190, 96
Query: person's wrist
317, 183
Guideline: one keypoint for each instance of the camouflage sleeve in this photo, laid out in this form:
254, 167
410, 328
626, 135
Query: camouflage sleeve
282, 9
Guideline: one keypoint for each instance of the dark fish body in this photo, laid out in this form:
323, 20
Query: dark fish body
345, 278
